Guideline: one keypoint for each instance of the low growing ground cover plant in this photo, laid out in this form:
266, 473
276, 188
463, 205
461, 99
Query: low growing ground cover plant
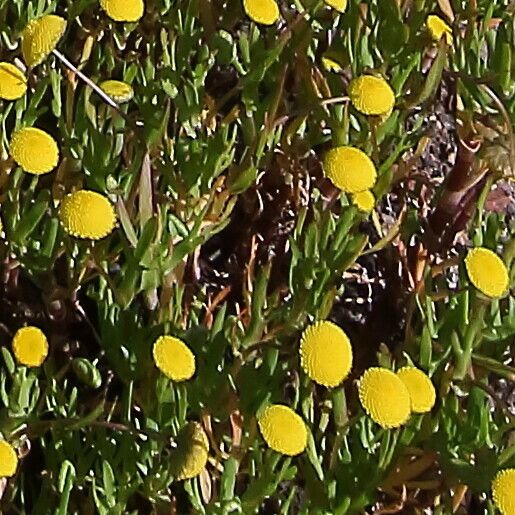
257, 256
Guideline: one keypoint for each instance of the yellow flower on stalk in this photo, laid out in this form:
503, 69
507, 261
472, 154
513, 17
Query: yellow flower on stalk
438, 28
265, 12
34, 150
30, 346
174, 358
87, 214
420, 388
325, 353
40, 37
503, 491
338, 5
118, 90
283, 430
364, 200
192, 452
123, 10
371, 95
13, 83
487, 272
350, 169
384, 397
8, 459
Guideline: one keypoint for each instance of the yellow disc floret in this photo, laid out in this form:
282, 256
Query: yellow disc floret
350, 169
40, 37
123, 10
371, 95
438, 28
30, 346
265, 12
325, 353
13, 83
87, 214
384, 397
34, 150
117, 90
8, 459
283, 430
192, 452
338, 5
487, 272
174, 358
503, 491
420, 388
364, 200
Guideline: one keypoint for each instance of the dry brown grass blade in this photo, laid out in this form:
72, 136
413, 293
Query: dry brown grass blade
446, 7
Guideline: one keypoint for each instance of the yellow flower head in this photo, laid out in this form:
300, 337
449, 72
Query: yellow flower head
350, 169
117, 90
123, 10
30, 346
487, 272
325, 353
34, 150
8, 459
283, 430
384, 397
420, 388
371, 95
364, 200
13, 83
437, 28
339, 5
40, 37
265, 12
331, 65
503, 491
87, 214
174, 358
192, 452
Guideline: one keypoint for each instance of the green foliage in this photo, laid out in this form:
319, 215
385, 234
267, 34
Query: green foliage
230, 238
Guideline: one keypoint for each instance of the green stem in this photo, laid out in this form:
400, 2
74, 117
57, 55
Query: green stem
474, 327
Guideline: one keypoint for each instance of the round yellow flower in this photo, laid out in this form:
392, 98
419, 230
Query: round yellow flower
371, 95
34, 150
283, 430
13, 83
364, 200
420, 388
325, 353
437, 28
350, 169
40, 37
384, 397
487, 272
8, 459
123, 10
265, 12
87, 214
503, 491
117, 90
192, 452
30, 346
339, 5
174, 358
